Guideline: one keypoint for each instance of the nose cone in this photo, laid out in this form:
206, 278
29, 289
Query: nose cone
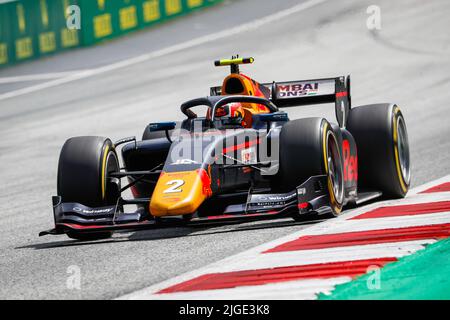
178, 193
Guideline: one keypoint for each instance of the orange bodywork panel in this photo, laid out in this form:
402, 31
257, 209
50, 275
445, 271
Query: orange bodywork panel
240, 84
178, 193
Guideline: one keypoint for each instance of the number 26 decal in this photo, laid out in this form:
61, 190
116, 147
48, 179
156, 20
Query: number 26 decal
174, 186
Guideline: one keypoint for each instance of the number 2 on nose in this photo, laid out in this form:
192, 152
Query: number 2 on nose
174, 186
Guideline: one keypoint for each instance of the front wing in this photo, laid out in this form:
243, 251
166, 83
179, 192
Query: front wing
310, 197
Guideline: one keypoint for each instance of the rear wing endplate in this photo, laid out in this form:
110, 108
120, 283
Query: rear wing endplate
299, 93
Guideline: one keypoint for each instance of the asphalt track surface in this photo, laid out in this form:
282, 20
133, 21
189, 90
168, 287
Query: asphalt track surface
406, 62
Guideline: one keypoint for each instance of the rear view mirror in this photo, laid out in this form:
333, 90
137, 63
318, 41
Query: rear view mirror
162, 126
272, 117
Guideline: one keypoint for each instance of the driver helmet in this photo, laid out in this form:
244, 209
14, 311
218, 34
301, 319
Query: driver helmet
233, 111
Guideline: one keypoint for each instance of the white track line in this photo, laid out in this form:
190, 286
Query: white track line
341, 224
328, 255
38, 76
299, 289
430, 184
172, 49
344, 226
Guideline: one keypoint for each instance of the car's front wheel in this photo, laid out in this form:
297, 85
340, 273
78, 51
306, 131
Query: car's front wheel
83, 176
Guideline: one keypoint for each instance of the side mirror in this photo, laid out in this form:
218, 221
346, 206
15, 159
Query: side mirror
264, 120
271, 117
162, 126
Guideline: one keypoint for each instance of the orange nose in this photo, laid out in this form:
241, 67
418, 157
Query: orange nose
178, 193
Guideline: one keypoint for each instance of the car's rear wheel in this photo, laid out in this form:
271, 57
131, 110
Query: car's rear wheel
83, 176
383, 150
310, 147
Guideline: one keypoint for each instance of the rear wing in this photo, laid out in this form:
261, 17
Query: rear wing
307, 92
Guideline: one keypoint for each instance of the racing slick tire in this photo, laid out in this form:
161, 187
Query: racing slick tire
383, 150
310, 147
83, 168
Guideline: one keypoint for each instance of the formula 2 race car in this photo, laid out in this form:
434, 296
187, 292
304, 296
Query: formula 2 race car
242, 160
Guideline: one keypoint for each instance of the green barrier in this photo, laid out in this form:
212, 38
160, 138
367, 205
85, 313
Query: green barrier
34, 28
160, 10
106, 19
23, 25
6, 40
52, 32
65, 38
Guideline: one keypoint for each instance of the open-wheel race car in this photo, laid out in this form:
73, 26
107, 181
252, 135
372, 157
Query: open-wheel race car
242, 160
